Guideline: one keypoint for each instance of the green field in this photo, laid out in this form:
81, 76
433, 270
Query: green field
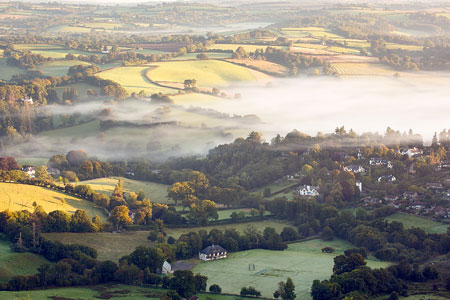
59, 68
133, 79
226, 214
259, 225
409, 221
89, 129
247, 47
13, 263
110, 246
8, 71
208, 73
303, 262
17, 197
123, 292
211, 55
156, 192
33, 161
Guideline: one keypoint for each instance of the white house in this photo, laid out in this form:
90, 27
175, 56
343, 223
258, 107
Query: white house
27, 100
380, 162
213, 252
388, 178
411, 152
166, 268
31, 171
355, 169
307, 190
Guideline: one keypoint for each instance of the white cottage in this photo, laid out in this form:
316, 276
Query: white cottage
212, 252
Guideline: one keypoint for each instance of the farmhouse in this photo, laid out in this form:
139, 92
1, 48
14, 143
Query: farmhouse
411, 152
212, 252
307, 190
354, 169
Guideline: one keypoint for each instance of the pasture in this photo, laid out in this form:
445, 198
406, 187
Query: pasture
17, 197
208, 73
8, 71
303, 262
59, 68
134, 79
123, 292
33, 161
90, 129
247, 47
258, 225
156, 192
410, 221
110, 246
14, 263
374, 69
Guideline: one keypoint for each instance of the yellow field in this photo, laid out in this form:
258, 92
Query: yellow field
133, 79
156, 192
317, 32
362, 69
209, 73
17, 197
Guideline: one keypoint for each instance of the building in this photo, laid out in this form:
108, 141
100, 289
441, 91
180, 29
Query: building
307, 190
388, 178
213, 252
27, 100
355, 169
380, 162
411, 152
166, 268
53, 171
434, 185
31, 171
359, 185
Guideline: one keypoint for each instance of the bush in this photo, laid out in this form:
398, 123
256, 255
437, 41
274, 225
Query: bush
215, 289
250, 291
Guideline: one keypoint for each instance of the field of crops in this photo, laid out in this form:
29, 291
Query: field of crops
208, 73
14, 263
133, 79
362, 69
156, 192
21, 197
409, 221
303, 262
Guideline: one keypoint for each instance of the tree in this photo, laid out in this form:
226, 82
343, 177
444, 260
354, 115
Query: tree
327, 234
344, 263
42, 174
145, 257
179, 191
215, 289
286, 290
250, 291
120, 217
183, 282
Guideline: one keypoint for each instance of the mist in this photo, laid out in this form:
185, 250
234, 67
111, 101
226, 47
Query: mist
371, 104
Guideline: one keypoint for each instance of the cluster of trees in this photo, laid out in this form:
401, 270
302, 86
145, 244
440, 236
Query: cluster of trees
190, 244
353, 279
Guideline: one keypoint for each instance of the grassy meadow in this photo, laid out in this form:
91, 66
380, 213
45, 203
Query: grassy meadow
14, 263
123, 292
208, 73
134, 79
362, 69
427, 225
59, 68
109, 246
156, 192
17, 197
303, 262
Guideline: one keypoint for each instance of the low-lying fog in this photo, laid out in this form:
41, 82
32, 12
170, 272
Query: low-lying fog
309, 104
369, 104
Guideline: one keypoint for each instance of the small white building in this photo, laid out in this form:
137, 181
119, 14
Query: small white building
307, 190
411, 152
166, 268
359, 185
31, 171
388, 178
213, 252
27, 100
354, 169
